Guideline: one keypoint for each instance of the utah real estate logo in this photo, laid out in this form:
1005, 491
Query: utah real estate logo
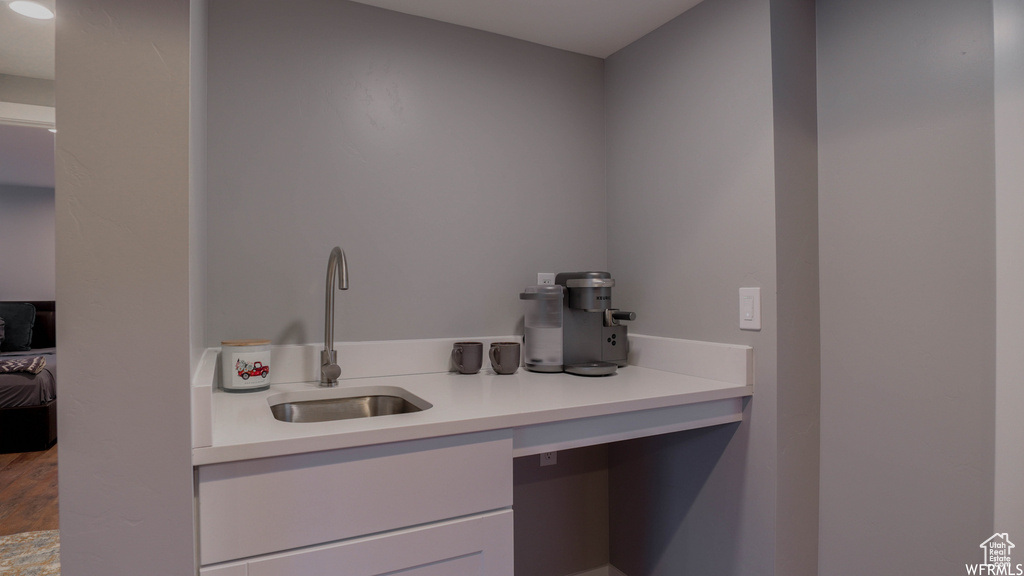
997, 560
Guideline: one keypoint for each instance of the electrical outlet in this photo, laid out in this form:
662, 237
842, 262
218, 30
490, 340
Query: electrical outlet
545, 278
548, 458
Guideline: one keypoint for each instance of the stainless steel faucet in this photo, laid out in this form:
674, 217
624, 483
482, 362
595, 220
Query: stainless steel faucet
337, 265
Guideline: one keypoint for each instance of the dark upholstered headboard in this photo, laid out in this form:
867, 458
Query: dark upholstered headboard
44, 331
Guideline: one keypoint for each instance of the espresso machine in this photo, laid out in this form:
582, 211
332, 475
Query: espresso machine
594, 343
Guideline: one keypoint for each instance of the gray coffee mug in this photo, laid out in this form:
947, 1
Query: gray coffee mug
504, 357
467, 357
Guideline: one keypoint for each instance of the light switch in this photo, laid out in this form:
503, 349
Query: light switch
750, 308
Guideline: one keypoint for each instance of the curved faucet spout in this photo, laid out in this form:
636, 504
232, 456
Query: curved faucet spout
337, 265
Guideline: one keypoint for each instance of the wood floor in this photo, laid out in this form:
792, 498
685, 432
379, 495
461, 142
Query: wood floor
28, 491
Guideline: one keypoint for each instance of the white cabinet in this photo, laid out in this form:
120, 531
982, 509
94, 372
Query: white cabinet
434, 504
476, 546
233, 569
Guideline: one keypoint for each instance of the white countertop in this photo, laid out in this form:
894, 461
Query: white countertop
244, 428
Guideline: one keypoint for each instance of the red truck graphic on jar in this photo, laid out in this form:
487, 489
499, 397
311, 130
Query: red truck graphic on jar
247, 369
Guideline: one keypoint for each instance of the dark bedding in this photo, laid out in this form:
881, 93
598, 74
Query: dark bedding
28, 402
24, 389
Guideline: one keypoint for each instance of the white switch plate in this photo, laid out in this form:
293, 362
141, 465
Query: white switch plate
750, 308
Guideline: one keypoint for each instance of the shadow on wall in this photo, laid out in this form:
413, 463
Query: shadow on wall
654, 483
561, 512
295, 333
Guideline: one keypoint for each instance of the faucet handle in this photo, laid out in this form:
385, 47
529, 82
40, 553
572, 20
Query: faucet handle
329, 374
329, 369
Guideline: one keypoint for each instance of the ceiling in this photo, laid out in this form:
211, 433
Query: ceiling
26, 45
26, 49
593, 27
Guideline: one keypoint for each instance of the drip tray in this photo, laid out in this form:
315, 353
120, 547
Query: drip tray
592, 369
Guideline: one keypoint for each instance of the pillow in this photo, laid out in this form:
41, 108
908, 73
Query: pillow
19, 317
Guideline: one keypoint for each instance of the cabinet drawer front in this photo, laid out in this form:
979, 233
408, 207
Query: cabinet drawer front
475, 546
239, 569
254, 507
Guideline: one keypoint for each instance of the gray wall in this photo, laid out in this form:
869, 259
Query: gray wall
122, 206
561, 510
27, 235
197, 244
1009, 113
451, 165
691, 199
907, 220
794, 91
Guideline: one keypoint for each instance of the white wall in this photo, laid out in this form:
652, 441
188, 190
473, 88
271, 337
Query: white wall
122, 206
907, 228
1009, 113
28, 257
25, 90
451, 165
